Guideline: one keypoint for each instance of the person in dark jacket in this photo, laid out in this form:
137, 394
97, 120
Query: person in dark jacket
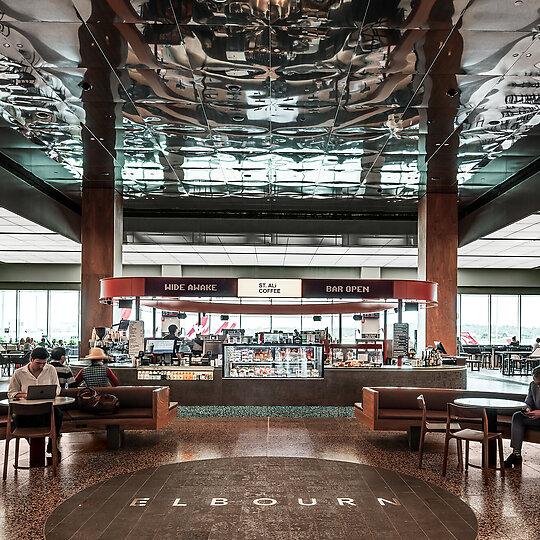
530, 416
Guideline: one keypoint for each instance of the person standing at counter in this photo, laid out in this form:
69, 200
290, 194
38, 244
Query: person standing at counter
97, 374
173, 336
530, 416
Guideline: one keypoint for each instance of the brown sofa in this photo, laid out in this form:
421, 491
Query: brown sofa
396, 409
141, 407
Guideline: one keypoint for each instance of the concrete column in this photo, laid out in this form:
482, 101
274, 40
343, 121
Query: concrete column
102, 216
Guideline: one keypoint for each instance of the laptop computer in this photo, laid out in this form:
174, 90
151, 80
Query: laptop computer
41, 391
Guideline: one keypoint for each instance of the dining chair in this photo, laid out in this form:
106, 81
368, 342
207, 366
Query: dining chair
18, 433
430, 427
470, 415
5, 366
25, 359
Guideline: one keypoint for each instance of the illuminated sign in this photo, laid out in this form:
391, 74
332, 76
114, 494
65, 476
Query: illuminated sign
171, 286
270, 288
348, 288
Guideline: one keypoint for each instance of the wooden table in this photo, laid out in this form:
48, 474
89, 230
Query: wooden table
37, 444
492, 407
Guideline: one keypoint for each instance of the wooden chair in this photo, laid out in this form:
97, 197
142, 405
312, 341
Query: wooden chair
430, 427
470, 414
19, 433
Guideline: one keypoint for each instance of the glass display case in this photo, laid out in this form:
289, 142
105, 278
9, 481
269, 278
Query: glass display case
363, 353
273, 361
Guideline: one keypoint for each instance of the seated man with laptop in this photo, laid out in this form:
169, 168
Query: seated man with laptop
36, 380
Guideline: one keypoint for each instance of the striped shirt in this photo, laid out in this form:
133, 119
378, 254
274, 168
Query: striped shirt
65, 376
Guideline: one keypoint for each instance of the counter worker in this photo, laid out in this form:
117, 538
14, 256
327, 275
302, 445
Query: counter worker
65, 376
173, 335
529, 416
36, 372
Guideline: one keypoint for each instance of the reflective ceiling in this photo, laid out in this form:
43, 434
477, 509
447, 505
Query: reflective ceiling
275, 103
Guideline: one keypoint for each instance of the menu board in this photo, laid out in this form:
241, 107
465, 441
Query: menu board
400, 346
136, 337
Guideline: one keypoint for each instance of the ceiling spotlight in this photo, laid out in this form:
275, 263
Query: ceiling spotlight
85, 86
435, 178
452, 92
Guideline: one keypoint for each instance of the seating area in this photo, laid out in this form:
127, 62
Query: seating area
141, 408
396, 409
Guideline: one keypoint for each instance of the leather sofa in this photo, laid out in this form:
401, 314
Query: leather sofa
396, 409
141, 408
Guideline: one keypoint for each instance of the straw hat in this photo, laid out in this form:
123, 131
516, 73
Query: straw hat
96, 354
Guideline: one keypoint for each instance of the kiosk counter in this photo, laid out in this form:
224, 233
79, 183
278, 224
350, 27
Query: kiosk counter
206, 385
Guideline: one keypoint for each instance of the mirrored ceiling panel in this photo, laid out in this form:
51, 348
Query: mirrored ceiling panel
274, 100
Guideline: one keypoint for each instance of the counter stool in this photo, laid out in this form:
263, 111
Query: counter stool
18, 433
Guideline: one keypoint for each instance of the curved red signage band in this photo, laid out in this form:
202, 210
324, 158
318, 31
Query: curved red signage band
192, 306
423, 292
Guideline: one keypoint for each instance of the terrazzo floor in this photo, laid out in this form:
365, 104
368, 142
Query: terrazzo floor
506, 508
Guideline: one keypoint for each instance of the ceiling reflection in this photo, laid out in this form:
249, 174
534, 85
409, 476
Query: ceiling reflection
275, 100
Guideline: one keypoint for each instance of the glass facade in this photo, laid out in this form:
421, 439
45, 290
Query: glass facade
37, 314
490, 319
474, 318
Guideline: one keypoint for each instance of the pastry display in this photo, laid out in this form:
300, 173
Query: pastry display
273, 361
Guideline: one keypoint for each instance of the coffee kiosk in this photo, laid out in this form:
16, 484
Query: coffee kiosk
277, 373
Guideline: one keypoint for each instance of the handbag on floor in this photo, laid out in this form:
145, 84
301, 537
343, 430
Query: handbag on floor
89, 400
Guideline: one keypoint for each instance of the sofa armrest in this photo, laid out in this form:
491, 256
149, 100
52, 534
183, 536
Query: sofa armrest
160, 406
370, 404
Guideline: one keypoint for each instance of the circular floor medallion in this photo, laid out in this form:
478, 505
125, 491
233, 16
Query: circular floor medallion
263, 498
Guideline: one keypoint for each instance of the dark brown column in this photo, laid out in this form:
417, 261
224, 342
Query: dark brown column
438, 146
102, 219
437, 261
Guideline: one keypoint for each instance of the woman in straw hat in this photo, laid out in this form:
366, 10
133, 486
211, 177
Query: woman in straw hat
97, 375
